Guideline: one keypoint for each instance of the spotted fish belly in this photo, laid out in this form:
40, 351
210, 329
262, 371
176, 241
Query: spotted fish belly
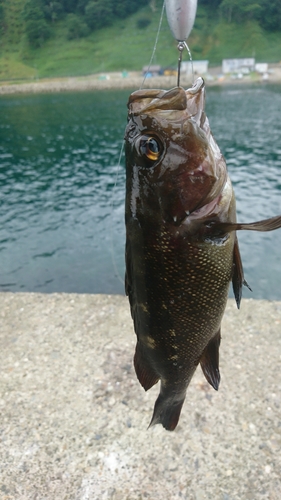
178, 299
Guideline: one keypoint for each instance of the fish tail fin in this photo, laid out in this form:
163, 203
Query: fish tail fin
145, 373
167, 412
209, 361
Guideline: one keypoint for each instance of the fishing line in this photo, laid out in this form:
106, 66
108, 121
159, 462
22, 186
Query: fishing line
111, 210
122, 149
191, 60
155, 45
181, 46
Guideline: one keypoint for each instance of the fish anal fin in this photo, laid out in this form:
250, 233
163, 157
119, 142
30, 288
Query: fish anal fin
238, 279
238, 274
209, 361
167, 412
145, 373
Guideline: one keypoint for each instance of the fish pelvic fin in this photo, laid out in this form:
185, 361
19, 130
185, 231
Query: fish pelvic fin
167, 411
209, 361
238, 279
145, 373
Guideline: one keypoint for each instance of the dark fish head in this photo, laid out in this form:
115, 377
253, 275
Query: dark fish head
173, 161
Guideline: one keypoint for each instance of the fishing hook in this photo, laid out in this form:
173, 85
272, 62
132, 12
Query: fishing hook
180, 49
181, 16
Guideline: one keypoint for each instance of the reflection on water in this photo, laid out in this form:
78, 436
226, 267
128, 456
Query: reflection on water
62, 192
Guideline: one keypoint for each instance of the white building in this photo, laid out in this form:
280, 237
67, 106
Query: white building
199, 67
244, 65
261, 68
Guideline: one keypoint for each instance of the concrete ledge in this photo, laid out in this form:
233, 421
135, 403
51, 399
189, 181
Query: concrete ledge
74, 418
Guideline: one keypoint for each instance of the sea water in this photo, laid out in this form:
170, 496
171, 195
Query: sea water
62, 190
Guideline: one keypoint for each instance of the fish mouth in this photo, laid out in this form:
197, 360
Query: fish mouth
198, 85
170, 104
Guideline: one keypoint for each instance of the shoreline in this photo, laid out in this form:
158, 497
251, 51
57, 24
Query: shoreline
134, 80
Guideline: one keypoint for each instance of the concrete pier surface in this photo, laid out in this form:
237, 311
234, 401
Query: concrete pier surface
74, 417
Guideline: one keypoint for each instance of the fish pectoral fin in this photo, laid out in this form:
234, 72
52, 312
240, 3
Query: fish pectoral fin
261, 225
238, 279
145, 373
209, 361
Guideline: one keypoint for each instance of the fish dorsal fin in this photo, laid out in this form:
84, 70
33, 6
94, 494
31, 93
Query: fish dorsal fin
209, 361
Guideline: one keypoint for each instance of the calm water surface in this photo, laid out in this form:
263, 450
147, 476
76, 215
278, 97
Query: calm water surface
62, 192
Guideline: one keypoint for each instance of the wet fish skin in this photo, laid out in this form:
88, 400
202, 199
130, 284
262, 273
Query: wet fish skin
181, 245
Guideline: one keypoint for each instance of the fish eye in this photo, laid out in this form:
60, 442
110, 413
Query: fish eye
150, 147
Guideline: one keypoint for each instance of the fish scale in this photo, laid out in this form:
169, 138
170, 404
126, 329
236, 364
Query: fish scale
181, 245
188, 278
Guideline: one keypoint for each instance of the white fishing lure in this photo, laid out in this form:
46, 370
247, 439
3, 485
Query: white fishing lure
181, 16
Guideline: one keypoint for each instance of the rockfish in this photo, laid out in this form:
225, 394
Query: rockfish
181, 245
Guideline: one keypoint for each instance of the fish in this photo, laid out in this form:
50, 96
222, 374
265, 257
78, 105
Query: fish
182, 249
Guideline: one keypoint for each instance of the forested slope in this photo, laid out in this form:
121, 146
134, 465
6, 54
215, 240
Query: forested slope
40, 38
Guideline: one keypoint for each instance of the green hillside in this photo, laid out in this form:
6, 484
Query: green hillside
126, 44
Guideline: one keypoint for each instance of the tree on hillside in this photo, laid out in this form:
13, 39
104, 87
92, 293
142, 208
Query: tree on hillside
2, 16
210, 3
99, 13
267, 13
81, 4
36, 28
239, 10
76, 27
270, 15
69, 5
121, 8
53, 10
